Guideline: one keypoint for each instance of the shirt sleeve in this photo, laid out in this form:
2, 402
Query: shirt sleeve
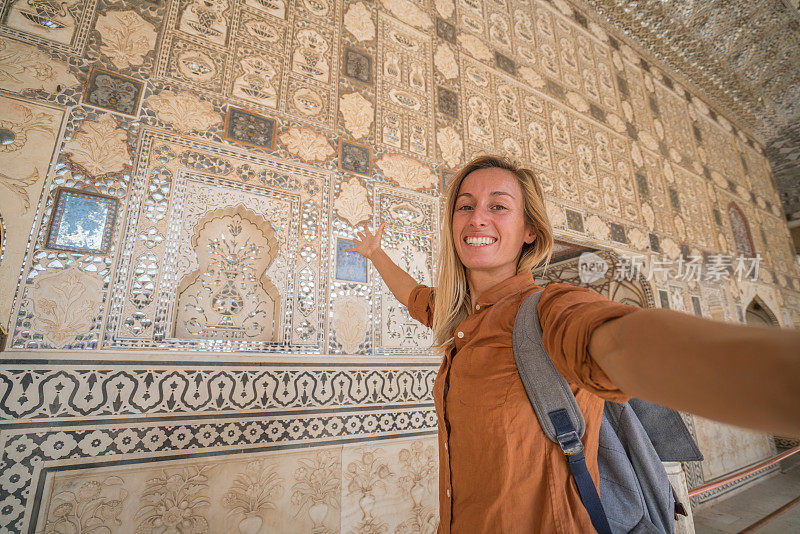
420, 304
568, 316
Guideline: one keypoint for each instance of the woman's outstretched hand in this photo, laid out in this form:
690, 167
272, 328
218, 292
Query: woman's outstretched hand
397, 280
367, 243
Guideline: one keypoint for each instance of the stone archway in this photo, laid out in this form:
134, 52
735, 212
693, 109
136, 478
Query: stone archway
564, 269
758, 313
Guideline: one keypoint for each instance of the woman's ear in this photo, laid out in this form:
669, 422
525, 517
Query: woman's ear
530, 234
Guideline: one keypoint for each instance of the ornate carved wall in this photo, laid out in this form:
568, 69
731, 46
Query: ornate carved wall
180, 180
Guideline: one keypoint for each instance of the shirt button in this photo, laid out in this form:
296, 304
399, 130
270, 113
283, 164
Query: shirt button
448, 493
477, 306
460, 335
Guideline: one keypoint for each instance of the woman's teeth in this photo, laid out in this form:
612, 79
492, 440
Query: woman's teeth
480, 241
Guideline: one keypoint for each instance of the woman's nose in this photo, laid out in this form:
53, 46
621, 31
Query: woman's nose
479, 217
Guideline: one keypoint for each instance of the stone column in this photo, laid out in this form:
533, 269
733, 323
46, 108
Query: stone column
684, 525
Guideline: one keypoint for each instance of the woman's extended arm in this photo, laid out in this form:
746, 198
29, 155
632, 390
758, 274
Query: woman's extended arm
400, 283
741, 375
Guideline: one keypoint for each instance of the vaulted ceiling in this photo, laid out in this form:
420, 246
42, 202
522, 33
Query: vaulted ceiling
744, 55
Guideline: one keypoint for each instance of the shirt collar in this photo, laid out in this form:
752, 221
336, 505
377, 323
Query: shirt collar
508, 287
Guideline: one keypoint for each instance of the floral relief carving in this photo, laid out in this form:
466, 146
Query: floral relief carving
19, 186
358, 21
229, 295
175, 502
253, 494
555, 214
94, 508
126, 36
206, 19
638, 239
532, 77
257, 83
184, 110
367, 476
475, 47
22, 121
65, 303
597, 228
406, 171
350, 322
100, 146
419, 470
317, 487
306, 144
445, 61
309, 57
26, 67
358, 114
409, 13
445, 7
352, 204
450, 146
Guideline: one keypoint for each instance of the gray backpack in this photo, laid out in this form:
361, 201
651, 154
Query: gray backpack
635, 437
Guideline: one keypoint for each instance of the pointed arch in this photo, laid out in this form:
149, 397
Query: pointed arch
758, 313
564, 268
741, 231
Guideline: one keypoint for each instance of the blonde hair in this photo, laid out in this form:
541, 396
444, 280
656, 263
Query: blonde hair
452, 291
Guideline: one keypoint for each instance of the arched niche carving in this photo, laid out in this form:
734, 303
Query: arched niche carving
636, 292
229, 295
741, 231
758, 313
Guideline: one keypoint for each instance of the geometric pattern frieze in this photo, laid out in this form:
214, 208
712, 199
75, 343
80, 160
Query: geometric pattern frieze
69, 392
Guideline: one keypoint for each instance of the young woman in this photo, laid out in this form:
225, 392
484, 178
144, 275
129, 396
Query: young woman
498, 472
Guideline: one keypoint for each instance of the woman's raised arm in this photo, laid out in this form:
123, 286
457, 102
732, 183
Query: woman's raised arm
400, 283
742, 375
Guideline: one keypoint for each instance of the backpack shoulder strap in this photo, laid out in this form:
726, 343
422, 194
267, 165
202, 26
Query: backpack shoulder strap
547, 389
554, 404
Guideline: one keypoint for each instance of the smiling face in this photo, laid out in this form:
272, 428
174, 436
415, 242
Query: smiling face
489, 226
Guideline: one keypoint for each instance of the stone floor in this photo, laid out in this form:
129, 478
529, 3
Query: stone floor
745, 508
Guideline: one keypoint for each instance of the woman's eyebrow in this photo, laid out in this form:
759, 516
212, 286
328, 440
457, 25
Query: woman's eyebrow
493, 193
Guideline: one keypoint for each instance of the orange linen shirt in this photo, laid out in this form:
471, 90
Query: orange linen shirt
498, 472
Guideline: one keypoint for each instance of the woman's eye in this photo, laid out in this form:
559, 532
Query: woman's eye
464, 207
499, 207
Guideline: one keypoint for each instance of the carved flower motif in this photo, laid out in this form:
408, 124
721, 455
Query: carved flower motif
445, 61
100, 146
409, 13
597, 228
532, 77
649, 216
670, 248
450, 146
407, 172
306, 144
26, 67
555, 214
127, 37
358, 21
184, 111
577, 101
352, 204
616, 122
445, 7
475, 47
350, 322
638, 239
358, 114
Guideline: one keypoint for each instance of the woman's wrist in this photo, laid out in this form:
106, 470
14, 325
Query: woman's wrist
374, 254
